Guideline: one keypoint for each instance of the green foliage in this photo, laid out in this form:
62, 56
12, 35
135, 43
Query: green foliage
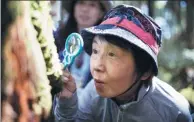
172, 58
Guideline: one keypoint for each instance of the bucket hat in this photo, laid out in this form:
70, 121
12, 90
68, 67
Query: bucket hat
129, 23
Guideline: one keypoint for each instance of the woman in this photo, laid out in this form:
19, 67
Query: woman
124, 50
82, 14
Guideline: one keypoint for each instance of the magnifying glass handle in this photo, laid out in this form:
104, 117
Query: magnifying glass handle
67, 61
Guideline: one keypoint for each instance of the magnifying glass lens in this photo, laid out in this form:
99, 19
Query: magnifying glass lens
73, 45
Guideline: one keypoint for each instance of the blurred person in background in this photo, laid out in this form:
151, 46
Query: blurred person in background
124, 50
82, 14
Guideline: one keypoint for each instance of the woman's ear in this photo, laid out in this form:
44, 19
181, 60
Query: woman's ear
146, 75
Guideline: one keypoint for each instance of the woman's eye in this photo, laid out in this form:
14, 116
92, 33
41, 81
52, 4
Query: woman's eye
94, 51
111, 54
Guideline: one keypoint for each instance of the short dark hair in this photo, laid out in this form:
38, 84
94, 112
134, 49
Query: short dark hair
143, 61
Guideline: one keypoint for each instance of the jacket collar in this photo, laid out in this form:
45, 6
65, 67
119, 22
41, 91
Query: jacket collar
143, 91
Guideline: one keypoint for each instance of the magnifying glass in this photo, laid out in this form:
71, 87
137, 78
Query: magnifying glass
73, 47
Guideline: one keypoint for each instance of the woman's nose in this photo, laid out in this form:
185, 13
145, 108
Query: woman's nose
99, 64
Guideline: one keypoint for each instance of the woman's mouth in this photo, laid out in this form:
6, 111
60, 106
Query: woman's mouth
99, 84
84, 18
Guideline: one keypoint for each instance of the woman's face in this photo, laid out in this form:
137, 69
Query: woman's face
87, 13
112, 68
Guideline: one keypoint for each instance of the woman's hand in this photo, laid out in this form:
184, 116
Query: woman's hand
69, 85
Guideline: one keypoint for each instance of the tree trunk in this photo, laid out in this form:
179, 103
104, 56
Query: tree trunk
190, 24
150, 8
